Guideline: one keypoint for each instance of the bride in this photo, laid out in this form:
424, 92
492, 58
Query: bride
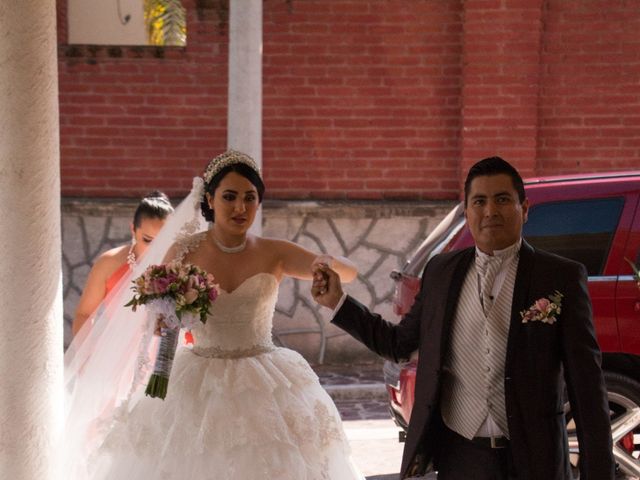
237, 407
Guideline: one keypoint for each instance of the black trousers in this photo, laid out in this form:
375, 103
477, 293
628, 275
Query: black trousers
460, 459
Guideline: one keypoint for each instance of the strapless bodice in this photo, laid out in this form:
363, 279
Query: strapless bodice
239, 322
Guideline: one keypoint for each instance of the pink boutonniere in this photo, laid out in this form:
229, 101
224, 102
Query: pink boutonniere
544, 309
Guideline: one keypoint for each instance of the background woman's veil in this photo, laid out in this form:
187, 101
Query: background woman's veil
110, 359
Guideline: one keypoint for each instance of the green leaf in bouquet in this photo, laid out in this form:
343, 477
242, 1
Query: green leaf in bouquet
133, 303
556, 298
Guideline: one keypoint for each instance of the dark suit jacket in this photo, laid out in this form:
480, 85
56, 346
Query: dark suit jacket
539, 355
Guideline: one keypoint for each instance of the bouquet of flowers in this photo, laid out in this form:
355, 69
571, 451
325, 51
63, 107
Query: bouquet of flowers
180, 295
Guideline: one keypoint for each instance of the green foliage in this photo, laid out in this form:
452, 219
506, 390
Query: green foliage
166, 22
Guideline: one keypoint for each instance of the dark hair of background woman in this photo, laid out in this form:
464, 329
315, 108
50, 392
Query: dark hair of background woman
154, 205
240, 168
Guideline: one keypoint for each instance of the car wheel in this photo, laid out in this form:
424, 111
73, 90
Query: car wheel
624, 408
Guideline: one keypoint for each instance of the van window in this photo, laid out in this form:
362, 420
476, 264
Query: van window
580, 229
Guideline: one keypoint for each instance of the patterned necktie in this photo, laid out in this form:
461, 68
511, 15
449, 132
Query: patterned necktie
488, 267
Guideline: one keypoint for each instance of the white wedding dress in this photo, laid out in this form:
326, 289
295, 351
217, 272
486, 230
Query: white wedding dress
238, 407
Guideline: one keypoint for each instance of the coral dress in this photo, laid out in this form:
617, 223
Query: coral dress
238, 407
115, 277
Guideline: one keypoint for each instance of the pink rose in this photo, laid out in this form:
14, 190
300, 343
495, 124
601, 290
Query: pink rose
160, 285
542, 304
193, 282
190, 296
213, 294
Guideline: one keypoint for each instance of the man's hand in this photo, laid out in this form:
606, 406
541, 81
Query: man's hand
326, 288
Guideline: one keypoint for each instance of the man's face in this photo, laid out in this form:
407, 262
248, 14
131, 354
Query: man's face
494, 213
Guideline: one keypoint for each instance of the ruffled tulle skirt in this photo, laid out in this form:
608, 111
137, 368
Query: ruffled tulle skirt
260, 417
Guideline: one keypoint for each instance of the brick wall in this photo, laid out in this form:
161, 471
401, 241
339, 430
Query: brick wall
136, 119
501, 66
589, 113
363, 99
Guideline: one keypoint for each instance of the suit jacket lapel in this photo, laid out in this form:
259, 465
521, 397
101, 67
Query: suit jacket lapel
520, 295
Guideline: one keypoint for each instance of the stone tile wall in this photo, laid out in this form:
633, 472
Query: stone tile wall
378, 237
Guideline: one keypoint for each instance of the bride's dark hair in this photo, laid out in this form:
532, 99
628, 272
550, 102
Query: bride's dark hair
245, 170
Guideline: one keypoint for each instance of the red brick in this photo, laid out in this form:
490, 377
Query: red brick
366, 89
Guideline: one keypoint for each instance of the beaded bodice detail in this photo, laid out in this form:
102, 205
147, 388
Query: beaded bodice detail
239, 322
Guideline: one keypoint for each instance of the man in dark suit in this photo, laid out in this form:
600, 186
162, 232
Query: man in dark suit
498, 328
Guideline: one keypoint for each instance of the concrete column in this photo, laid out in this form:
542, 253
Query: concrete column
31, 366
244, 120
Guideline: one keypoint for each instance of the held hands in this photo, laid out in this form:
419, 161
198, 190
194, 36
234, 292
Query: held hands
322, 260
326, 288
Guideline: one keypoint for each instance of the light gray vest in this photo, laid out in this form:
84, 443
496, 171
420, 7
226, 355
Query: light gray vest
473, 384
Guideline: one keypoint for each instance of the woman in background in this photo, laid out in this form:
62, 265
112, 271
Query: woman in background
113, 264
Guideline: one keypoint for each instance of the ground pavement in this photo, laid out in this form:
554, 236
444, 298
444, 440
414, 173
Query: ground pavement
360, 395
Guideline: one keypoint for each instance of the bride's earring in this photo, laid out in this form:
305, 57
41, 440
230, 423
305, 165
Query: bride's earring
210, 203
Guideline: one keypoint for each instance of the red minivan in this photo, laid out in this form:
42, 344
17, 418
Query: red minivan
593, 219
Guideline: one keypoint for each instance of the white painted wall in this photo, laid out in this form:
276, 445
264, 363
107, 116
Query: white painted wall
102, 22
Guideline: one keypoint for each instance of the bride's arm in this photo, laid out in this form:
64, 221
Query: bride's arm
298, 262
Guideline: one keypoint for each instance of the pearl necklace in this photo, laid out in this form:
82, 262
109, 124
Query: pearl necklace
225, 249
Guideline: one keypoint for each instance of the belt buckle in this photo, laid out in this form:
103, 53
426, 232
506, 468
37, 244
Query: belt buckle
497, 442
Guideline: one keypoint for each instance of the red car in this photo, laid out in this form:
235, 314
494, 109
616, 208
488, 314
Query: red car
593, 219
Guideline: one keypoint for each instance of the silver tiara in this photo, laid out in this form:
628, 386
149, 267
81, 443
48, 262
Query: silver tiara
230, 157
